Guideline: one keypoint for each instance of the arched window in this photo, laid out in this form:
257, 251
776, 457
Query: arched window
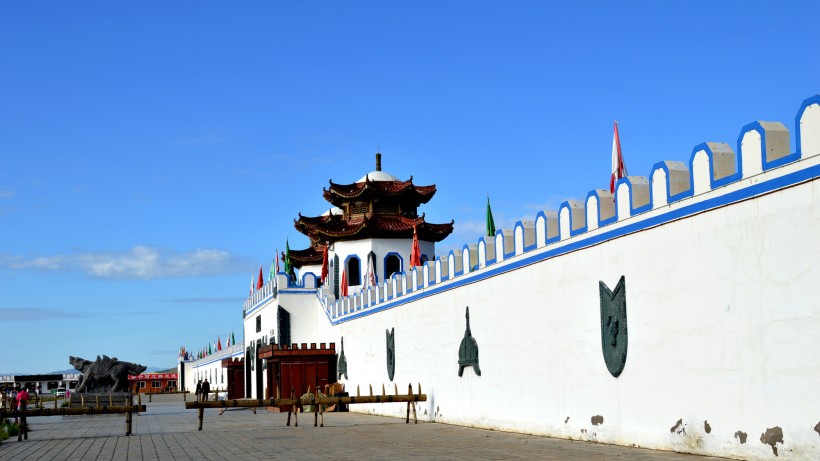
354, 272
392, 264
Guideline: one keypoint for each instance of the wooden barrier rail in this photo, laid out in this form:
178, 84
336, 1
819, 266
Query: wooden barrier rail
151, 394
103, 410
317, 402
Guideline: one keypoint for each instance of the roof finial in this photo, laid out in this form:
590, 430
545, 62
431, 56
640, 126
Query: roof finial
378, 161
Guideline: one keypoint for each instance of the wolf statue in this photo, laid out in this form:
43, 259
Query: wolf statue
104, 375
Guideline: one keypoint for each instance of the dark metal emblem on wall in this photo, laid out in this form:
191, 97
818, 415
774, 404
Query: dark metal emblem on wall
468, 351
391, 353
613, 326
342, 366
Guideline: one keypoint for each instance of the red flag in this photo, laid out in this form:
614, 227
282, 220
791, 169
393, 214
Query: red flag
259, 281
218, 344
415, 253
324, 261
343, 288
618, 166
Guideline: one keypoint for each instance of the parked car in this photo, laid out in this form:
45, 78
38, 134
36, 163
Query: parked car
60, 392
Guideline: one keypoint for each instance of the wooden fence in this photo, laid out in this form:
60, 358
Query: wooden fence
295, 404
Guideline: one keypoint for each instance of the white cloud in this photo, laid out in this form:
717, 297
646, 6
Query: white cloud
137, 263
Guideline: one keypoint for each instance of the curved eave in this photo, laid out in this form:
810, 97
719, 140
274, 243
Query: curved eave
406, 191
308, 257
401, 228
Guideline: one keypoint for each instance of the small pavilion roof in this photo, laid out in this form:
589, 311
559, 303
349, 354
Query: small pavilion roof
310, 256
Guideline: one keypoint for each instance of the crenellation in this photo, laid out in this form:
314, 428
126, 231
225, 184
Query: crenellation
430, 273
600, 208
807, 126
442, 268
470, 257
374, 295
670, 183
455, 263
524, 236
713, 164
763, 145
505, 244
486, 251
310, 280
631, 196
412, 280
389, 288
546, 228
572, 218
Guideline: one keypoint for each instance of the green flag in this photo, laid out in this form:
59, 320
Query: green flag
272, 272
209, 349
288, 267
233, 340
490, 222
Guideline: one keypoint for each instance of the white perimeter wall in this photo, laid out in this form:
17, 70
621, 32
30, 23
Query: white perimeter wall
722, 318
721, 300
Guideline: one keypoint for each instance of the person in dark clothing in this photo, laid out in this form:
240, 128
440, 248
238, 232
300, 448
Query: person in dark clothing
198, 390
206, 388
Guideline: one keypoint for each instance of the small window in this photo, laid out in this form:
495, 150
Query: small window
156, 384
141, 384
392, 264
258, 323
354, 276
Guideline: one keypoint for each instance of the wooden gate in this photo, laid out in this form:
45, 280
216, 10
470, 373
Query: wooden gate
235, 369
295, 368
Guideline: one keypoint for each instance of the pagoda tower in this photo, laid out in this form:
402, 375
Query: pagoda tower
372, 221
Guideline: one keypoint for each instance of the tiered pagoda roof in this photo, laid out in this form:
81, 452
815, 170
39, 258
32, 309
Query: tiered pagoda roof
377, 206
371, 225
404, 192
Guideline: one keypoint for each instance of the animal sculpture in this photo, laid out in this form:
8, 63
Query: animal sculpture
105, 374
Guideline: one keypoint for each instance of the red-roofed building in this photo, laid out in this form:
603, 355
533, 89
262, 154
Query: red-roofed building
153, 383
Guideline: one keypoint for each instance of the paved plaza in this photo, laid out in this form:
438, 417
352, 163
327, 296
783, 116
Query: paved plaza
167, 431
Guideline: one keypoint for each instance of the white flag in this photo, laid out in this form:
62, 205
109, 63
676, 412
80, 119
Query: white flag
618, 166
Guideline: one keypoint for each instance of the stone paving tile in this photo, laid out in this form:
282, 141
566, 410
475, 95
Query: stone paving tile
169, 432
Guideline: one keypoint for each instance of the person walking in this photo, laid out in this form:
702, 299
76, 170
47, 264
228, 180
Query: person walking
198, 390
22, 400
206, 388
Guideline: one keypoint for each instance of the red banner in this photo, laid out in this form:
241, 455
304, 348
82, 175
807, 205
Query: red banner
152, 376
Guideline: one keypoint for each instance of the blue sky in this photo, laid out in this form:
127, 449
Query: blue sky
154, 154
